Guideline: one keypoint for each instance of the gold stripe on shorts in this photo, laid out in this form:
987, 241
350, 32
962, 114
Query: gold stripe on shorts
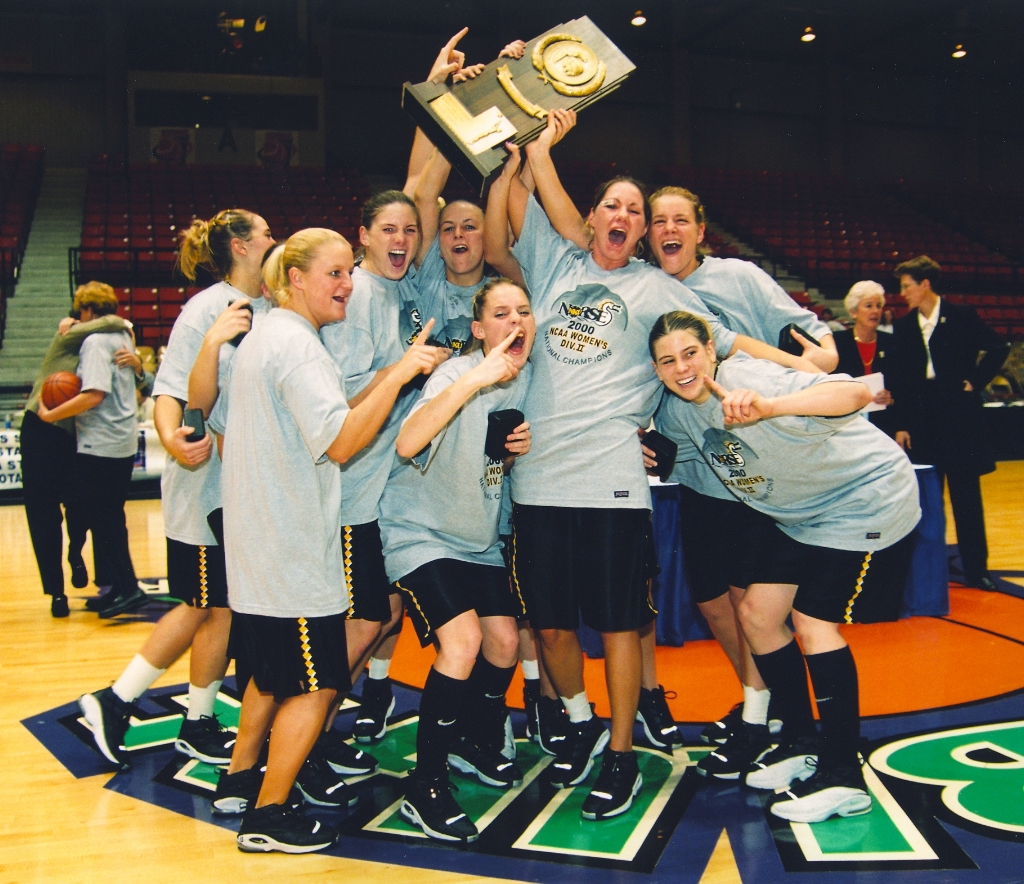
859, 588
307, 655
346, 558
409, 593
512, 562
204, 591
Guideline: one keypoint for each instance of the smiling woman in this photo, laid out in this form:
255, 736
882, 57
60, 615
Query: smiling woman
288, 419
448, 560
591, 389
841, 500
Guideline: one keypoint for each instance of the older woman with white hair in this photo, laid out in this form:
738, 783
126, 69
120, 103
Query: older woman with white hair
863, 349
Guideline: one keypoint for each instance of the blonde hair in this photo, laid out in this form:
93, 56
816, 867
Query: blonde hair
300, 250
699, 212
480, 301
866, 288
96, 296
208, 243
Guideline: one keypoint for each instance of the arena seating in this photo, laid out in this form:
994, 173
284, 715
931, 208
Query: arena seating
21, 173
832, 231
133, 217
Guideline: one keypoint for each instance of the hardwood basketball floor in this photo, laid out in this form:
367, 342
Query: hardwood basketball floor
58, 828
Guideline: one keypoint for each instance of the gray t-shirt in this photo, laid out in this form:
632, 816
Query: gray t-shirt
282, 494
111, 428
446, 503
449, 305
748, 301
381, 320
218, 419
593, 383
189, 494
828, 481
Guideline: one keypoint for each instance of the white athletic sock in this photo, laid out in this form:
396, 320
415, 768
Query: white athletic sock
201, 700
755, 705
578, 708
136, 679
531, 669
378, 669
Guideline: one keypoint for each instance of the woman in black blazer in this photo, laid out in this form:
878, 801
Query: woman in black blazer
863, 349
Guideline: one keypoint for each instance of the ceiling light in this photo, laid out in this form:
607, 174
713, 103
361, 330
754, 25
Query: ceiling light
638, 18
959, 51
808, 35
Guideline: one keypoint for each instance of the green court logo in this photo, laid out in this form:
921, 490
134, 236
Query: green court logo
980, 770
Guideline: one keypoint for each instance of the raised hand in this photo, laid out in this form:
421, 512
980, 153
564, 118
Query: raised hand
449, 60
559, 122
740, 406
512, 163
420, 358
515, 49
468, 73
497, 366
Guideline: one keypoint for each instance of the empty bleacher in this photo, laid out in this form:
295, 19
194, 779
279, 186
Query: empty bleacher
21, 171
833, 232
133, 218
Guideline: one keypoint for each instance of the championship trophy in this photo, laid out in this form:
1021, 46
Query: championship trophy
570, 66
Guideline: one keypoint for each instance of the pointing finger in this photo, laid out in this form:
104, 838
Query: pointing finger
425, 334
715, 387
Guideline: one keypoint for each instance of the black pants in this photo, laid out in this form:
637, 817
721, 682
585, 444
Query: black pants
48, 480
103, 484
969, 516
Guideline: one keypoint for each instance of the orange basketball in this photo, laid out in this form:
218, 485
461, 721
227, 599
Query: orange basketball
59, 387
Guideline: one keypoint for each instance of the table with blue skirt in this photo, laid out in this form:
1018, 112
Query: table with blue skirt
926, 592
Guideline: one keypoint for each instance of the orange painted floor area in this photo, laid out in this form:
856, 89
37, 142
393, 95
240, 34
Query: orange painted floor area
914, 664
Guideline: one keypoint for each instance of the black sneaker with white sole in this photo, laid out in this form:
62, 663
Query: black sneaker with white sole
733, 758
276, 827
235, 792
489, 765
788, 761
375, 709
429, 805
719, 731
108, 716
322, 786
205, 739
575, 761
551, 725
617, 784
839, 791
343, 757
654, 714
